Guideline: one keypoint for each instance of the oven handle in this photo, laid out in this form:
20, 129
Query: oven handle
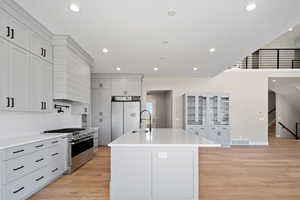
82, 140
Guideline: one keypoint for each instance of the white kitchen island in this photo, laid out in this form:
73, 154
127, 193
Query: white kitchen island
160, 166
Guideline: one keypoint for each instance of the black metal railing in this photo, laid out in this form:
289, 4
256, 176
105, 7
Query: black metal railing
272, 58
289, 130
272, 110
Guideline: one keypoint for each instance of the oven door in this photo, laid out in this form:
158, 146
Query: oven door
82, 151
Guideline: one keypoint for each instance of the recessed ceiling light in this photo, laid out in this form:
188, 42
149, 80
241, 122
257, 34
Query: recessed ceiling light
74, 7
195, 68
212, 50
250, 7
105, 50
118, 69
291, 29
171, 12
273, 80
155, 68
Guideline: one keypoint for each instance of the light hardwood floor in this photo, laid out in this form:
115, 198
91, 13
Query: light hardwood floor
237, 173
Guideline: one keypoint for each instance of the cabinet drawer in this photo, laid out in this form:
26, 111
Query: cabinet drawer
39, 179
19, 189
18, 151
56, 168
39, 145
19, 167
55, 152
101, 83
54, 142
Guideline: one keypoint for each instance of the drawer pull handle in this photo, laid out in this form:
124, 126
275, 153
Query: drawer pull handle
39, 146
54, 142
19, 190
54, 170
16, 169
18, 151
39, 160
55, 154
38, 179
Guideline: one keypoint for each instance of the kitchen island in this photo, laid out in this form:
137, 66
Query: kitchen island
162, 165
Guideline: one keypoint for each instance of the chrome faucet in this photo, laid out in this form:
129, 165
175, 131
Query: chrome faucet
141, 119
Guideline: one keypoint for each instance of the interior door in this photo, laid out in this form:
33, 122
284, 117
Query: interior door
117, 123
131, 116
4, 75
19, 68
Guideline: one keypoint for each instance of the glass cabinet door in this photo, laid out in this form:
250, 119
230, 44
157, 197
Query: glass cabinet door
191, 110
213, 110
202, 107
224, 110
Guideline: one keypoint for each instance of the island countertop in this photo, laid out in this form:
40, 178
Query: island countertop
162, 137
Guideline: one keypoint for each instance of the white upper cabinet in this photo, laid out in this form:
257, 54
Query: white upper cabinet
126, 87
14, 30
26, 61
19, 33
4, 75
72, 78
41, 47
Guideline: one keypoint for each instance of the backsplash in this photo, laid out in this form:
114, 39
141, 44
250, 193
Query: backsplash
27, 123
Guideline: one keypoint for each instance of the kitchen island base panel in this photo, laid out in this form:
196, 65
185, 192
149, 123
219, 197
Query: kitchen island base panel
154, 173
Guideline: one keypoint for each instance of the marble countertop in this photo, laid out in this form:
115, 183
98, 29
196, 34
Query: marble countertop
21, 140
162, 138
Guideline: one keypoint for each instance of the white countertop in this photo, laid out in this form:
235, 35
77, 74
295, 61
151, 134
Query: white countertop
161, 137
21, 140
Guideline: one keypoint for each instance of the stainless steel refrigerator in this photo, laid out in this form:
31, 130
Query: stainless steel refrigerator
125, 115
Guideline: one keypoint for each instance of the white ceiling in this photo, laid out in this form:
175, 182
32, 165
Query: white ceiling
288, 87
134, 31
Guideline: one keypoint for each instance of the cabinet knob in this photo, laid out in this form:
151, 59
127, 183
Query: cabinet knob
125, 92
101, 85
100, 113
101, 120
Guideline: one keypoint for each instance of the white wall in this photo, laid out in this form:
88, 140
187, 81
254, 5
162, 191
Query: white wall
249, 98
14, 124
287, 114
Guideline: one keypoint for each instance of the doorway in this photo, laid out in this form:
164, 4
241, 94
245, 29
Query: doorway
159, 103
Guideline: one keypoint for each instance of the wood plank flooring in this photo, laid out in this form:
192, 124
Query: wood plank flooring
237, 173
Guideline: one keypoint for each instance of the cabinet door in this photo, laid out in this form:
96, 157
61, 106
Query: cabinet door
101, 103
47, 89
131, 175
35, 84
4, 75
170, 179
18, 76
101, 83
41, 47
133, 87
118, 87
20, 34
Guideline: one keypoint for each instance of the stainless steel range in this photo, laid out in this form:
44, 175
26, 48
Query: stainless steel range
80, 146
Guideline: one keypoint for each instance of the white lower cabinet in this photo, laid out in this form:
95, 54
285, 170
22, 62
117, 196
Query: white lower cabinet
36, 166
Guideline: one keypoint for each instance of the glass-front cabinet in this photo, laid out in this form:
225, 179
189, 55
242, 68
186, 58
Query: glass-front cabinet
207, 115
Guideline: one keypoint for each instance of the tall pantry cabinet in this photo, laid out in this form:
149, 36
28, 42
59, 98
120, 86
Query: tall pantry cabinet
104, 87
207, 115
